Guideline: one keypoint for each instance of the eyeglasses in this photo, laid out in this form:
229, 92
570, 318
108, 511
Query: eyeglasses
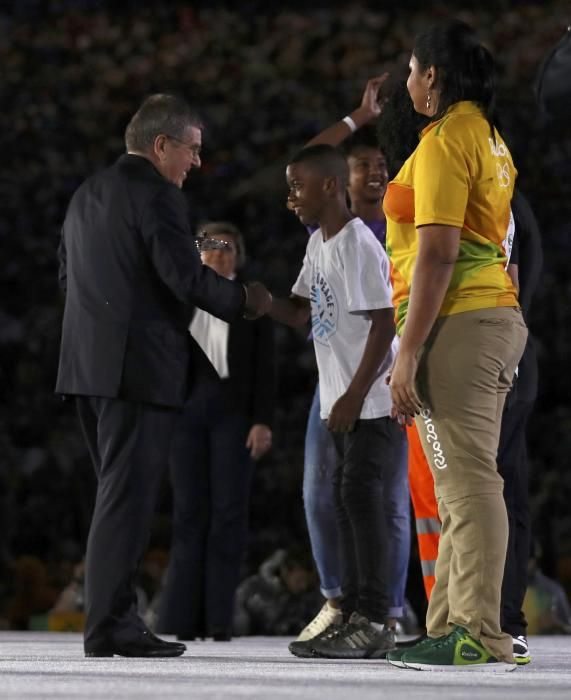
204, 243
193, 148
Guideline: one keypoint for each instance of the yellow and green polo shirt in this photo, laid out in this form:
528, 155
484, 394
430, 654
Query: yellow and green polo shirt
458, 176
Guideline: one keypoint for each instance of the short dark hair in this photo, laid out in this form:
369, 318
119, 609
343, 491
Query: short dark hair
159, 114
228, 228
466, 69
365, 137
327, 160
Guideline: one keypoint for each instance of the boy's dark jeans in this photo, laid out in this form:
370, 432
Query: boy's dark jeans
365, 458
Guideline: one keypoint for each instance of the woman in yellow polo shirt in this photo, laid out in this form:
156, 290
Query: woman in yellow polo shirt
462, 335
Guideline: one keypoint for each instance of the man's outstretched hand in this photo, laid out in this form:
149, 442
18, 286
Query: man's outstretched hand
258, 300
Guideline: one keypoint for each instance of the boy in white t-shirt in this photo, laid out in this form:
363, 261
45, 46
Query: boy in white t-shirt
344, 288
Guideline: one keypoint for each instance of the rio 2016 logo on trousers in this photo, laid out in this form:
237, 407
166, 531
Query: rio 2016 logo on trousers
432, 439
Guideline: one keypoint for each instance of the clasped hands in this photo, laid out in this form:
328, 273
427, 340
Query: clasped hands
258, 300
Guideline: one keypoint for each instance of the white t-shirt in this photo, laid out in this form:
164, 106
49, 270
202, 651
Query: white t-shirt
343, 278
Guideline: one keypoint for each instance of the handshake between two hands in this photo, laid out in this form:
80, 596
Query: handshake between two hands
258, 300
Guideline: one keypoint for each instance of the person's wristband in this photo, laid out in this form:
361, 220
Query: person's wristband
350, 123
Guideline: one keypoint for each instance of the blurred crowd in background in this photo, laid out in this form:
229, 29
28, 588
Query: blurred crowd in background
265, 81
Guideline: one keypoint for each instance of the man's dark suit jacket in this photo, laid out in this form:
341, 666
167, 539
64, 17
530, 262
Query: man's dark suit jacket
132, 276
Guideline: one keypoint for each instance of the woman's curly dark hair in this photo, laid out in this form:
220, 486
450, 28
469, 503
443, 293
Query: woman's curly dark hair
398, 127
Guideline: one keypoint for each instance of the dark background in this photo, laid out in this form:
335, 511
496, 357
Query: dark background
265, 81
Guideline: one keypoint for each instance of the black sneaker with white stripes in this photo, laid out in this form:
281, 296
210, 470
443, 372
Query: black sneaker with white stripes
304, 649
358, 639
521, 650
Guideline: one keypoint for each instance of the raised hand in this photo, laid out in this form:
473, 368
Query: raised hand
369, 109
371, 106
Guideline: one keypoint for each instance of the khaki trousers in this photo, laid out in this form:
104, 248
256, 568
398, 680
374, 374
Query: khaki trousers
465, 371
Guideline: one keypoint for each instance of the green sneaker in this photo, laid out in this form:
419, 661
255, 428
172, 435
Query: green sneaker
458, 651
395, 657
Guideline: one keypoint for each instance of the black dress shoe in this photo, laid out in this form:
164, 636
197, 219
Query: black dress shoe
220, 633
145, 645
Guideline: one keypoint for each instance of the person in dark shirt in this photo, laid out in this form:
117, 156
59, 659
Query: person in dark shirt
225, 425
524, 268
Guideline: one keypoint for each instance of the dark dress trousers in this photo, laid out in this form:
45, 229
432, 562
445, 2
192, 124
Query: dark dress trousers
132, 275
211, 472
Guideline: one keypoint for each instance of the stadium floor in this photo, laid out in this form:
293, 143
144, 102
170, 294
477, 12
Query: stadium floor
52, 665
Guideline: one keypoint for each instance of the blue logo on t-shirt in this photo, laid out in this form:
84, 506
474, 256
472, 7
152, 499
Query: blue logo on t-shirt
324, 309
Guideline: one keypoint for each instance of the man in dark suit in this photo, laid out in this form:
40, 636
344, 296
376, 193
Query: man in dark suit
132, 277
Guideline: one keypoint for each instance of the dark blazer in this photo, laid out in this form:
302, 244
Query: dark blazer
252, 367
251, 386
132, 276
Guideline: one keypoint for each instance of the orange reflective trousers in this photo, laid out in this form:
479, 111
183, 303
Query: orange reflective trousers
425, 507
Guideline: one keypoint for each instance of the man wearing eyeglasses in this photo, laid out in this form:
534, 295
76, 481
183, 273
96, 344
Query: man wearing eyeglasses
132, 276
